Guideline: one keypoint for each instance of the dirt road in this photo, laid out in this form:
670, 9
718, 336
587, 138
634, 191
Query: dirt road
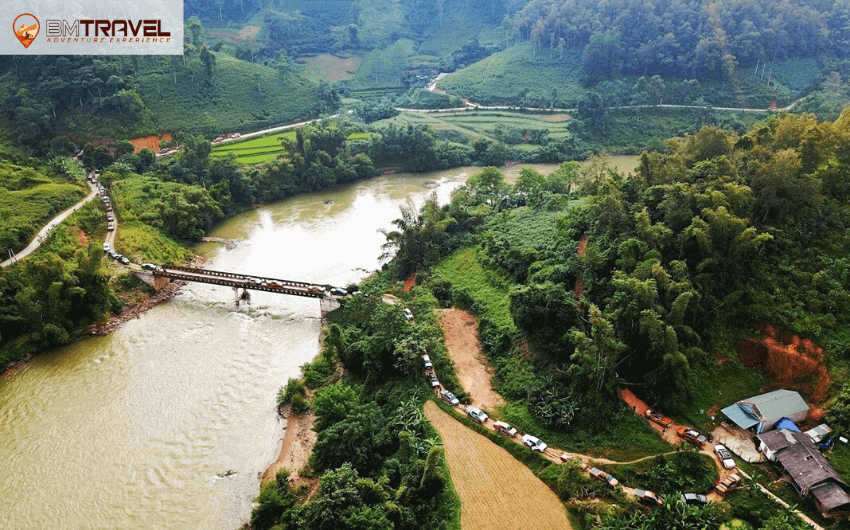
461, 331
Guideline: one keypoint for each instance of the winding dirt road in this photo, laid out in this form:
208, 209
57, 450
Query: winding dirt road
42, 234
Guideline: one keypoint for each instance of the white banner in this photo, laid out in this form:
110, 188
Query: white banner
91, 27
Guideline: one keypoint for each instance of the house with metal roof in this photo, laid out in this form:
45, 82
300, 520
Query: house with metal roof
760, 413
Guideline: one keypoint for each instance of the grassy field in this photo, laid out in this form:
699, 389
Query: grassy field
475, 124
464, 272
142, 243
501, 77
479, 467
330, 67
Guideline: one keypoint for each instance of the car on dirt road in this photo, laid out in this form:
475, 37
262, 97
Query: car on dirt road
658, 418
534, 443
725, 456
648, 498
602, 476
427, 361
449, 398
476, 414
691, 435
433, 381
504, 429
149, 266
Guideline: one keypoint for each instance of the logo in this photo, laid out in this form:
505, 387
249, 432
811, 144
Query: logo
26, 28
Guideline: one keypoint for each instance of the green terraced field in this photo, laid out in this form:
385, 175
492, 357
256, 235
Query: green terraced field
264, 148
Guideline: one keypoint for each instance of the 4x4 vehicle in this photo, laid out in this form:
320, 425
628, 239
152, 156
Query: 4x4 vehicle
433, 381
449, 398
534, 443
149, 266
408, 314
725, 456
658, 418
476, 414
602, 476
504, 429
691, 435
427, 361
694, 499
648, 498
728, 484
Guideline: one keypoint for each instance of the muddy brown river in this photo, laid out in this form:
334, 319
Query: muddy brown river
134, 430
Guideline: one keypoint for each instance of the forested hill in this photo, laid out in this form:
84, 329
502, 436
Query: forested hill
91, 98
309, 26
686, 37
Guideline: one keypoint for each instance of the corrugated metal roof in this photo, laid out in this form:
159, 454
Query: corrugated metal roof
777, 404
739, 417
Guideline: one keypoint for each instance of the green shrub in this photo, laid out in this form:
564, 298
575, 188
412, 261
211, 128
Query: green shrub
293, 388
300, 404
317, 372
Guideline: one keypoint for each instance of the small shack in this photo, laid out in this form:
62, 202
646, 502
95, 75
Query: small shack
810, 473
759, 413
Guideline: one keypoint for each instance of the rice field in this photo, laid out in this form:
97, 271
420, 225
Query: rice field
482, 123
255, 150
496, 491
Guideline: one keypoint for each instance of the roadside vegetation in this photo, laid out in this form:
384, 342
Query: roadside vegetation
380, 461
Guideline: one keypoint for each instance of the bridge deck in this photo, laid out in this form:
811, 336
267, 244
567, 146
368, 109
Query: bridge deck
257, 283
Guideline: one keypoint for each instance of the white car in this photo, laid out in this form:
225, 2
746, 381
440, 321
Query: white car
408, 314
534, 443
476, 414
427, 361
106, 247
504, 428
725, 456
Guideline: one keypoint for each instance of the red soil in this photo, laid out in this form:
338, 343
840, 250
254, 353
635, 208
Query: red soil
580, 251
151, 142
791, 362
408, 284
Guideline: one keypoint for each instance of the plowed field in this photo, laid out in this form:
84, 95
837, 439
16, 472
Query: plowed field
496, 491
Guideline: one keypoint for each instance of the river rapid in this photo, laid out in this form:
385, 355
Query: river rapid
132, 430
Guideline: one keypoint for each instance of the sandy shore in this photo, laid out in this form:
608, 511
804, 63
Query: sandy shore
298, 441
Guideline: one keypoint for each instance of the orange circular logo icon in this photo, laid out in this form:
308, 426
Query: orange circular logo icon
26, 28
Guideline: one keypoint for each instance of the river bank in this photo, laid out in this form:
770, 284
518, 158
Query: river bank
296, 446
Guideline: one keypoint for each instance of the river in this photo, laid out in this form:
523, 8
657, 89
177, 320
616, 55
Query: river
131, 431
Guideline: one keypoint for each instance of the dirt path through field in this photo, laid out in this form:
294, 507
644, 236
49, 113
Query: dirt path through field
461, 331
496, 491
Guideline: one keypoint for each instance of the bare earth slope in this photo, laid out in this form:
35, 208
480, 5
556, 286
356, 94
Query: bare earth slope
461, 331
496, 491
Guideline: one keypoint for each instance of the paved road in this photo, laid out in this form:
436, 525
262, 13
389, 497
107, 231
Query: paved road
42, 234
